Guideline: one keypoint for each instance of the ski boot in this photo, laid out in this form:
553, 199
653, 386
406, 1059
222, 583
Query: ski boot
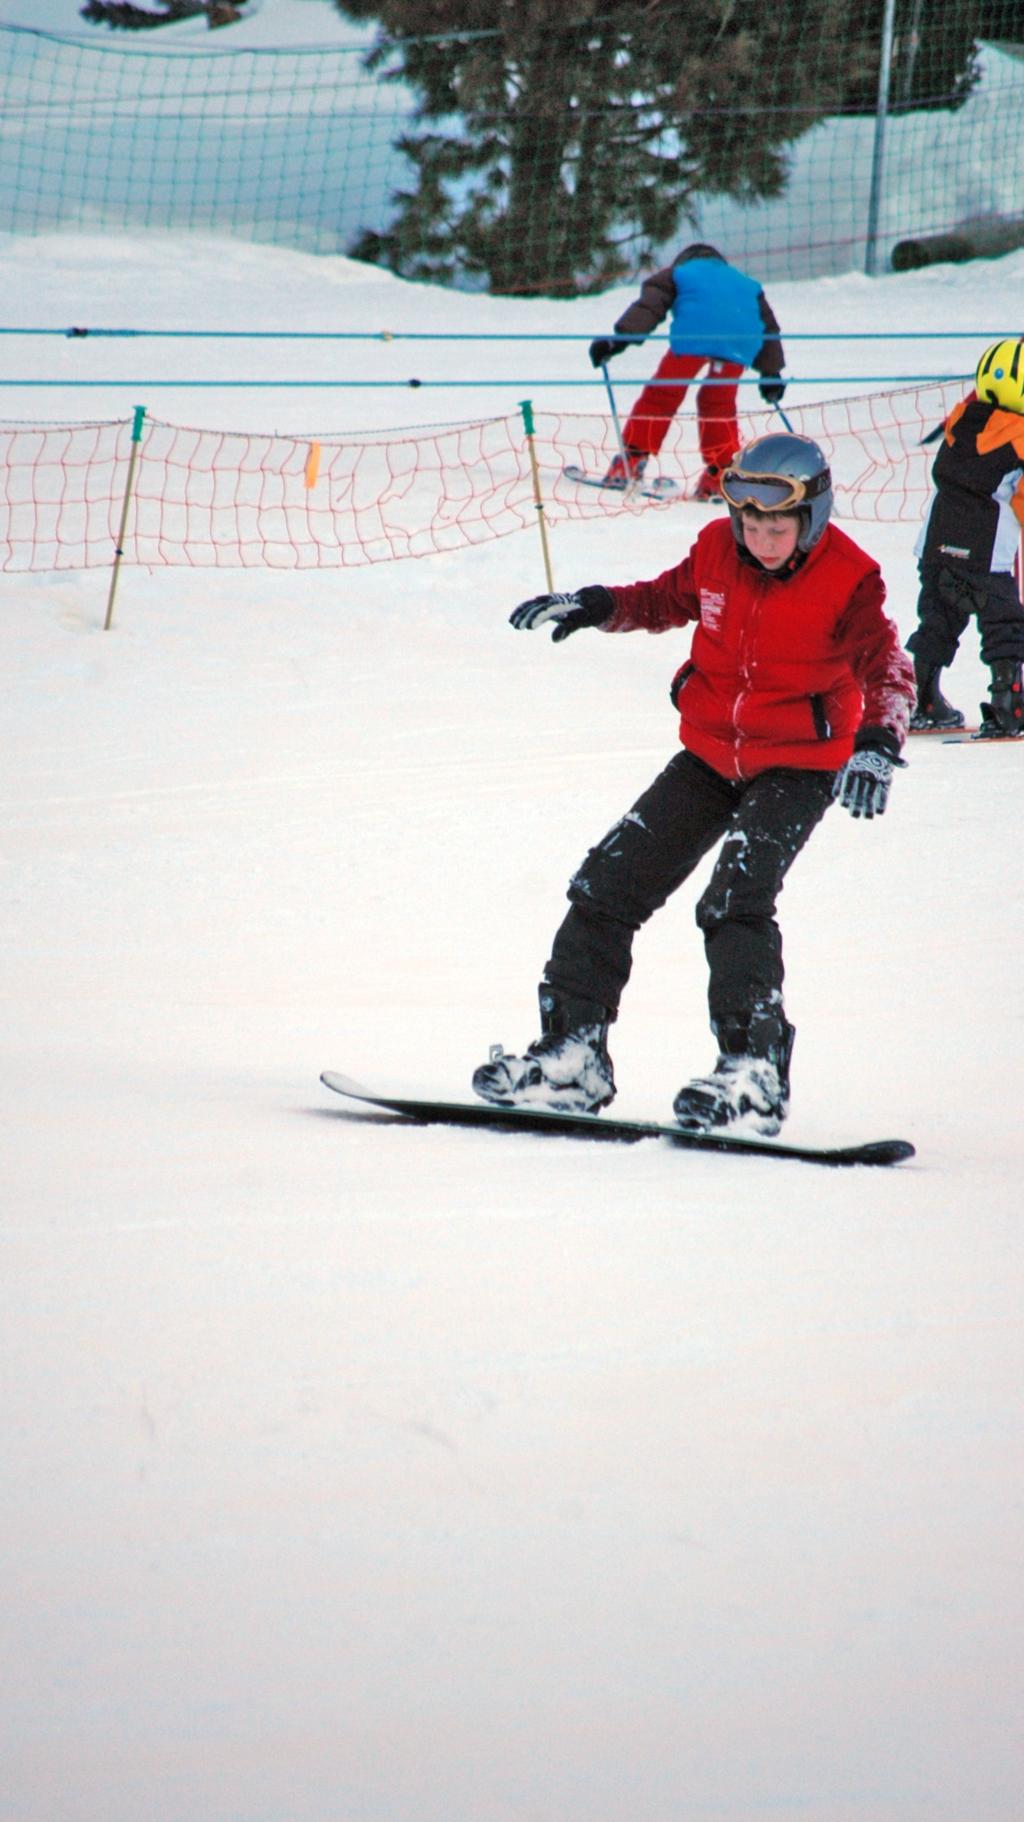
566, 1069
1002, 717
709, 486
624, 471
749, 1085
932, 709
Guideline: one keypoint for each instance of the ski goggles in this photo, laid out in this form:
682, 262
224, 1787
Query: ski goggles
771, 492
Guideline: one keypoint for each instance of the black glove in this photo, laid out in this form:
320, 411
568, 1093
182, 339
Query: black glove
862, 786
772, 391
604, 350
587, 607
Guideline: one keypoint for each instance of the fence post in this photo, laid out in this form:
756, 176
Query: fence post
140, 412
878, 152
526, 407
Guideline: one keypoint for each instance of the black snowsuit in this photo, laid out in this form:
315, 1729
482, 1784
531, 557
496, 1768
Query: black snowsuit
766, 821
971, 537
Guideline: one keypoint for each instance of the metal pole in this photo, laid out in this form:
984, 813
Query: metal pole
526, 407
878, 154
912, 39
140, 412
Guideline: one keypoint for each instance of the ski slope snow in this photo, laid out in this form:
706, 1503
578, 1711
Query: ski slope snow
357, 1472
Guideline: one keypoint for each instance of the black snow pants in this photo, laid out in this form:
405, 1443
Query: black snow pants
946, 602
765, 822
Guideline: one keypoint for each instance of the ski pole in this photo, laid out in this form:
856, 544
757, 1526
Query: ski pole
615, 419
785, 420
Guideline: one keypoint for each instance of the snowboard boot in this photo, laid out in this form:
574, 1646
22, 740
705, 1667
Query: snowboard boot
709, 485
1002, 716
566, 1069
749, 1085
932, 710
623, 472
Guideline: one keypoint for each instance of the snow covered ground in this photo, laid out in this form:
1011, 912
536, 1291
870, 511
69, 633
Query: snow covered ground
361, 1473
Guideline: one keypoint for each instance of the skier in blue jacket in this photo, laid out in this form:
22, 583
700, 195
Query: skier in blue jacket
721, 320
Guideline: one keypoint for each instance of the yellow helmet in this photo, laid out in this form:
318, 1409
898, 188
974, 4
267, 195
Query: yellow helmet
1000, 376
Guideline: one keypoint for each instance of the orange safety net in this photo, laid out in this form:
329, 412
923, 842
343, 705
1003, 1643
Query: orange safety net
231, 499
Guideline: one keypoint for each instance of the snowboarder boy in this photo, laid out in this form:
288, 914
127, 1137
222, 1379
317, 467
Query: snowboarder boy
967, 547
720, 319
796, 692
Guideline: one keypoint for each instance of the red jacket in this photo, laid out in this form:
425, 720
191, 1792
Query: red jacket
783, 671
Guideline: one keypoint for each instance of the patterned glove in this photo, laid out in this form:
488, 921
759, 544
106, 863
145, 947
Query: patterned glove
604, 350
772, 391
862, 787
590, 606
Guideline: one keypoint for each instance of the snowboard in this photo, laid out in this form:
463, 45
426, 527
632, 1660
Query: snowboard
605, 1126
661, 489
964, 733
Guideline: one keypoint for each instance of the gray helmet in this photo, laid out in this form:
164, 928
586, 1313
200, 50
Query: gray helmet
781, 473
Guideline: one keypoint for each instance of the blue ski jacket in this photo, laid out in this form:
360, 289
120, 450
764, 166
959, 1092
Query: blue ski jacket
716, 311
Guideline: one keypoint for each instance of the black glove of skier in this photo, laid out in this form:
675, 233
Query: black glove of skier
772, 391
587, 607
862, 787
604, 350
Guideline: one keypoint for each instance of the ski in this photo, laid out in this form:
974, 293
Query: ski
968, 736
661, 489
605, 1126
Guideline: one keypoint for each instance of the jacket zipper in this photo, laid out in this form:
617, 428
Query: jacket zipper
744, 670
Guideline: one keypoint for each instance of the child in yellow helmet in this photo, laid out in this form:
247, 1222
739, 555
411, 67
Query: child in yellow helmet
969, 544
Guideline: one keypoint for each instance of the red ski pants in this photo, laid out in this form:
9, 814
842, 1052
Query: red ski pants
648, 422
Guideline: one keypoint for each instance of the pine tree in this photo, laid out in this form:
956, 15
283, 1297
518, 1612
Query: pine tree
555, 146
121, 14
